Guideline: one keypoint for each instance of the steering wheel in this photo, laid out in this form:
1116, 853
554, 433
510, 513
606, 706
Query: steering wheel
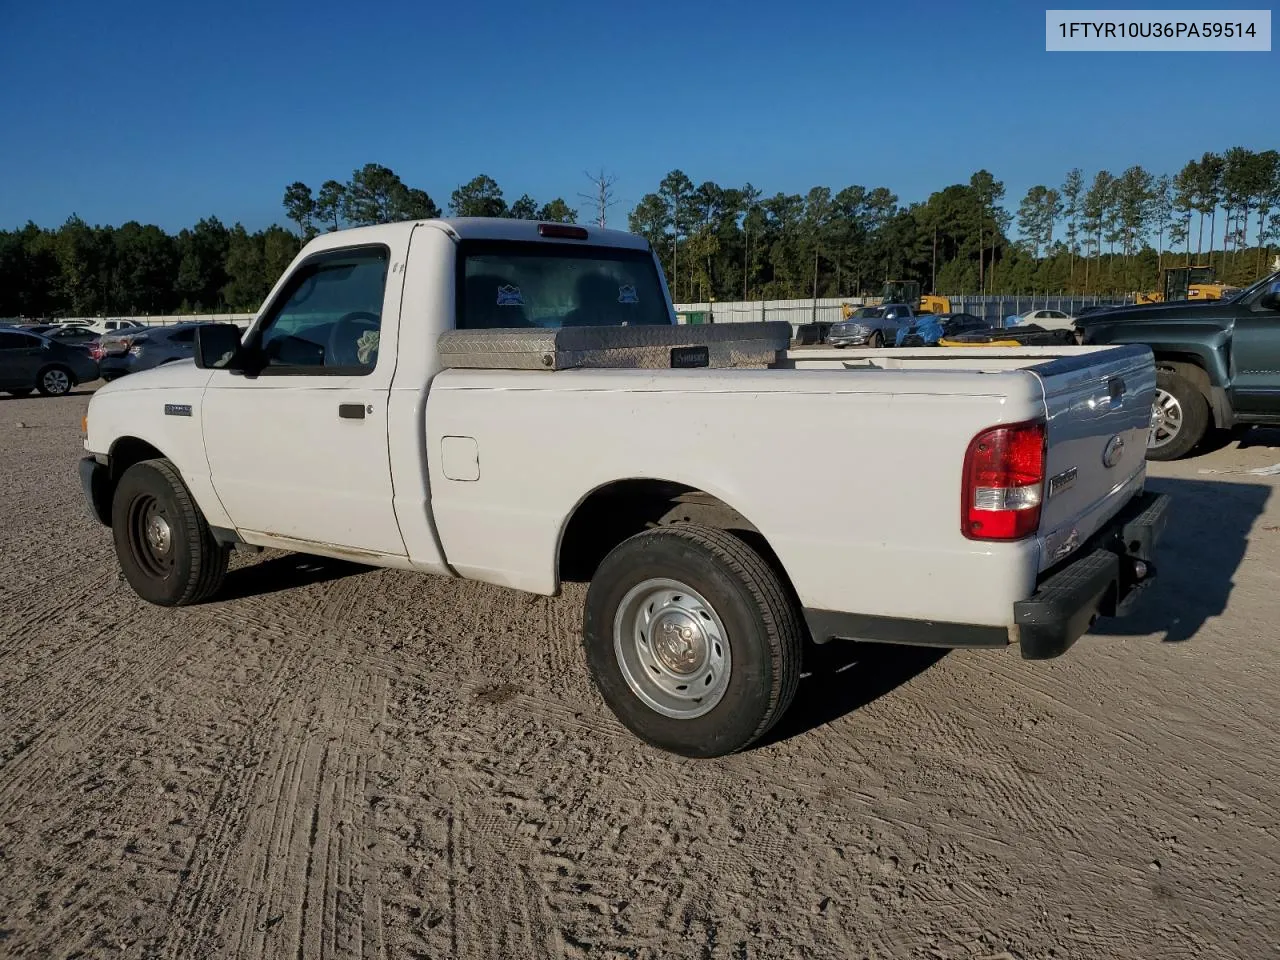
343, 337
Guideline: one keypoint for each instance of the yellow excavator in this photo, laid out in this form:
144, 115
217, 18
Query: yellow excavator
908, 292
1188, 283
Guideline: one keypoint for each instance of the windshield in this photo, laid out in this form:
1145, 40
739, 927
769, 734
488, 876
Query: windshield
864, 313
521, 284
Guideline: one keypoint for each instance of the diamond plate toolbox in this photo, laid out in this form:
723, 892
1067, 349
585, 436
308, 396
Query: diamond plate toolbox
653, 347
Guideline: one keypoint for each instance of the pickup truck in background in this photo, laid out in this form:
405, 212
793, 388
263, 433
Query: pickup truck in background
513, 402
1217, 362
871, 326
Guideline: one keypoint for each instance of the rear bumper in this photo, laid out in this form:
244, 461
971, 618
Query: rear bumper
95, 480
1104, 578
83, 369
112, 367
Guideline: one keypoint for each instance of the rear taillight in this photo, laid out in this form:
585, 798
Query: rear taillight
1004, 482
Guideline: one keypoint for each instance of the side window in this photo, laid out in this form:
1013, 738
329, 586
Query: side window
17, 341
330, 315
184, 336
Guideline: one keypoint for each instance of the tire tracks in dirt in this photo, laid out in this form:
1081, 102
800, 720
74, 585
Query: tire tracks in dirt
286, 873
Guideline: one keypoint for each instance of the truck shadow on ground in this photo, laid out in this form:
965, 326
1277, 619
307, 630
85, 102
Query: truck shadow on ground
287, 572
842, 676
1210, 523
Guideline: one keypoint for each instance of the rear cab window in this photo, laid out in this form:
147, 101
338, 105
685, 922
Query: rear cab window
523, 284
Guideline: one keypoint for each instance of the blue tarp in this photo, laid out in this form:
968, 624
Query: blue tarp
928, 329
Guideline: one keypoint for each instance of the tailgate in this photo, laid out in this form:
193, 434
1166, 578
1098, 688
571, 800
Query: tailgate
1099, 412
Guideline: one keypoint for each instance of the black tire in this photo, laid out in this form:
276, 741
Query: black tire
762, 628
876, 340
193, 566
55, 380
24, 392
1195, 416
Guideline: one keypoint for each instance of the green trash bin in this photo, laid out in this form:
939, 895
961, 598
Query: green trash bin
697, 316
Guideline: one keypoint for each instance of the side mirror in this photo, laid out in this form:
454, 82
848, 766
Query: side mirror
1270, 300
218, 347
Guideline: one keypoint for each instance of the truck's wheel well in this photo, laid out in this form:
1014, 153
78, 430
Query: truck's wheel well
127, 451
1191, 369
1188, 367
622, 509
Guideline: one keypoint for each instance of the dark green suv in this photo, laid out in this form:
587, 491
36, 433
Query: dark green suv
1217, 362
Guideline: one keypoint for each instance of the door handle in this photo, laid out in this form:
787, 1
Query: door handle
1116, 389
351, 411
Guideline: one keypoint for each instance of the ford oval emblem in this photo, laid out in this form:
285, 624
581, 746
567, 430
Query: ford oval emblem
1113, 451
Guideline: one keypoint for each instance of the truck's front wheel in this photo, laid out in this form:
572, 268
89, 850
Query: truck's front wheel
693, 639
166, 550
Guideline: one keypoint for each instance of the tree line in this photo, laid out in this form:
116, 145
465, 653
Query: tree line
375, 194
83, 270
1108, 234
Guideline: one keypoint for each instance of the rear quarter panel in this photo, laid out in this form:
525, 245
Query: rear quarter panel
852, 476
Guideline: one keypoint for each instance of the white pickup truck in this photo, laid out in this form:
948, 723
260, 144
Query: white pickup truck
410, 395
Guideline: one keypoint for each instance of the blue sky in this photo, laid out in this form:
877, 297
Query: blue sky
166, 112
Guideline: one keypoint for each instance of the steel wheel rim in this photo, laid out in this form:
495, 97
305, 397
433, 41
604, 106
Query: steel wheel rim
151, 536
55, 381
672, 648
1166, 419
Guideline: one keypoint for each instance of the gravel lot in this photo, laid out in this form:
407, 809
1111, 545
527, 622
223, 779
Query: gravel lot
330, 761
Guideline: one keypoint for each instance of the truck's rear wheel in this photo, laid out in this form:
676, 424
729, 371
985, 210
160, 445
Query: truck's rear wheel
166, 551
693, 639
1179, 417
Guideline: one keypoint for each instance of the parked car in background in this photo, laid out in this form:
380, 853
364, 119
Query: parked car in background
1093, 308
928, 328
30, 362
141, 348
65, 333
1048, 319
102, 325
1217, 362
871, 326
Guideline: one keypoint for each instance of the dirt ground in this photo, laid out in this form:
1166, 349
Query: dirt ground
330, 761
